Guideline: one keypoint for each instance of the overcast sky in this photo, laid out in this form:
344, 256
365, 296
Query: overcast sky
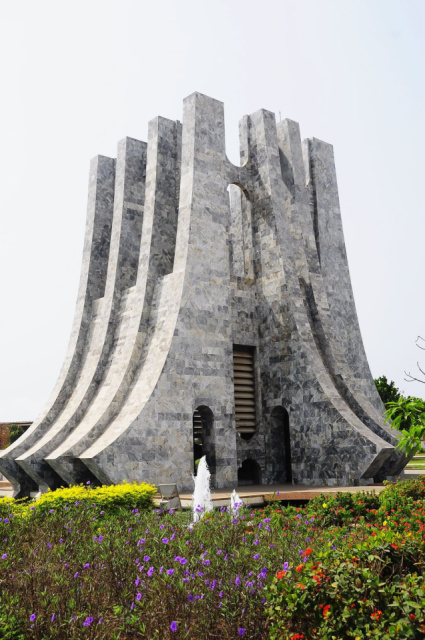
78, 76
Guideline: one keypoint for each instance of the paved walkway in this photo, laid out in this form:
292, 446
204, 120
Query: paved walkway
258, 494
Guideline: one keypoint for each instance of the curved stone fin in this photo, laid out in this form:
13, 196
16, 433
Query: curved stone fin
183, 329
327, 221
92, 286
156, 260
107, 311
354, 381
279, 208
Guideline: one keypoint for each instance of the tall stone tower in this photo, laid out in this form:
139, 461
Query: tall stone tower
215, 316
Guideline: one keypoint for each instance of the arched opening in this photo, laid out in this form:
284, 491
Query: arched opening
249, 473
203, 438
280, 446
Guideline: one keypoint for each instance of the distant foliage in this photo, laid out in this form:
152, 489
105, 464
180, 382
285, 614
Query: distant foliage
15, 432
387, 390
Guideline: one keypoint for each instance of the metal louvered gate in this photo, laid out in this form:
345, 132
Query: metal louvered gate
244, 381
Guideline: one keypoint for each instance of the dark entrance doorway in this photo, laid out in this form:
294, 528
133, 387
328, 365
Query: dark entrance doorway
280, 446
249, 473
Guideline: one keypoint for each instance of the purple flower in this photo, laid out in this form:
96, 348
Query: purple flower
150, 571
52, 618
32, 617
4, 556
60, 540
241, 631
87, 565
170, 572
76, 574
100, 538
286, 566
139, 596
177, 559
146, 559
190, 597
183, 561
173, 626
257, 555
237, 581
87, 622
267, 520
132, 606
165, 540
88, 482
51, 511
100, 619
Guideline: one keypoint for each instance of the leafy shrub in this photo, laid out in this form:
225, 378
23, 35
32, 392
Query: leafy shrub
348, 596
11, 507
111, 498
341, 507
358, 582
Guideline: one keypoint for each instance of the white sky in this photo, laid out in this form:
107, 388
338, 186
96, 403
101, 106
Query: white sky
78, 76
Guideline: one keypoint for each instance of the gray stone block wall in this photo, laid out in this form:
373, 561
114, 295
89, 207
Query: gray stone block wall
175, 273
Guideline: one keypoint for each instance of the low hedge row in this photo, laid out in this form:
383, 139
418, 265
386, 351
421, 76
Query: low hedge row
110, 498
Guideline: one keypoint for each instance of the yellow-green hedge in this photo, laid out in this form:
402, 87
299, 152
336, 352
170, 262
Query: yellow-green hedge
111, 497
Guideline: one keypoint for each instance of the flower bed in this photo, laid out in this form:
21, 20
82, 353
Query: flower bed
346, 567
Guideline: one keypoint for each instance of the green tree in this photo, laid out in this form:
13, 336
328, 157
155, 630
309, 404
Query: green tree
407, 415
15, 432
387, 390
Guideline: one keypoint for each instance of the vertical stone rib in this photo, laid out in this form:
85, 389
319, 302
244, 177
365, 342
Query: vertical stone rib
92, 285
281, 212
122, 268
183, 330
156, 260
334, 264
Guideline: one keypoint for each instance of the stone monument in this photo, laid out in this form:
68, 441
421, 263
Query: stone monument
215, 316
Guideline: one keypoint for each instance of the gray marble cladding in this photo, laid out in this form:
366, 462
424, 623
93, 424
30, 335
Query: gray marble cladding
185, 256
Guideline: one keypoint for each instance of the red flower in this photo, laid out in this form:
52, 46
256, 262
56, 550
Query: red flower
412, 616
280, 574
308, 551
376, 614
299, 568
326, 611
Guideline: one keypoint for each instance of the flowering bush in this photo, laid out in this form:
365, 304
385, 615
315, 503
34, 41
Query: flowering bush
129, 495
79, 569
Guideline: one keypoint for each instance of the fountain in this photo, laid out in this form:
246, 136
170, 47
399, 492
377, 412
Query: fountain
201, 499
235, 503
